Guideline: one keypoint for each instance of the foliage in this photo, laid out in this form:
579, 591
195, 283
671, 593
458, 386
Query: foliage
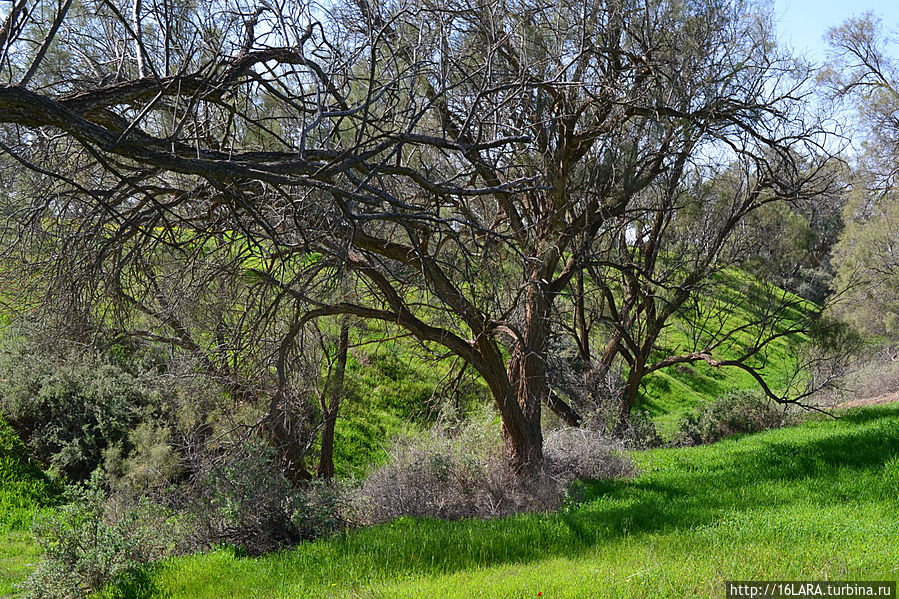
863, 74
791, 244
243, 499
152, 463
868, 265
730, 414
68, 406
87, 546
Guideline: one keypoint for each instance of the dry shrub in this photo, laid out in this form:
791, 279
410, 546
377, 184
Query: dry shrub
445, 475
874, 375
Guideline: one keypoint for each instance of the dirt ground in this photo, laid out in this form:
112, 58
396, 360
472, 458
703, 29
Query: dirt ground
870, 401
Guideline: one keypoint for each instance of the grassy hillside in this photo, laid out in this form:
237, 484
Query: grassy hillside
818, 501
24, 490
739, 300
392, 387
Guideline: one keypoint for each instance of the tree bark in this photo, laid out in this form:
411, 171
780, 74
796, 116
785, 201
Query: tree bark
331, 408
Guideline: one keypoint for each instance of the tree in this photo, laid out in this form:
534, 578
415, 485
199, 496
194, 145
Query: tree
864, 75
461, 163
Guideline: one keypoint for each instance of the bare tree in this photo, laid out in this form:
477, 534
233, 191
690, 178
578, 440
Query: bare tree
460, 163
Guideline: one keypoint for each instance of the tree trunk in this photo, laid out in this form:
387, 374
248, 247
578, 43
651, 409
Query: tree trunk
530, 384
629, 396
522, 438
286, 443
325, 468
330, 409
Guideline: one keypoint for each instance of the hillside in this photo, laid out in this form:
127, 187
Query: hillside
391, 386
740, 299
24, 491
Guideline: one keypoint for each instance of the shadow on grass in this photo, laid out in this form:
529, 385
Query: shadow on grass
827, 463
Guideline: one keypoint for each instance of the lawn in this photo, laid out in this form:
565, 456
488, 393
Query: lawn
817, 501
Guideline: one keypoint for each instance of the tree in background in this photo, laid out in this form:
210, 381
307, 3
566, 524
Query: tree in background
863, 74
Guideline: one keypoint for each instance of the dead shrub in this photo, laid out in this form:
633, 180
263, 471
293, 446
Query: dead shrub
447, 476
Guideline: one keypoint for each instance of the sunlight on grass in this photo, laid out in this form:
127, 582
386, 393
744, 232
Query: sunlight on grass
814, 501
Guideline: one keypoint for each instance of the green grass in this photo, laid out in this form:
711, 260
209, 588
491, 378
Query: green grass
391, 389
24, 491
815, 501
24, 488
18, 555
739, 299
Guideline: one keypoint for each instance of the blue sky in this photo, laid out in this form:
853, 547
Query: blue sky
803, 23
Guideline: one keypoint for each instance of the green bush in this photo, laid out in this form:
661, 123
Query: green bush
244, 500
68, 408
90, 542
730, 414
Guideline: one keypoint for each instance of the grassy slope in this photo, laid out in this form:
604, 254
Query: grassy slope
389, 390
24, 490
815, 501
671, 393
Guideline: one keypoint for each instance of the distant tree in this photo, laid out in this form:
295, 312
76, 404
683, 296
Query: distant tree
461, 164
864, 74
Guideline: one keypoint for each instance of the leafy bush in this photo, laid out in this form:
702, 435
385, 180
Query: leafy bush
247, 502
640, 432
730, 414
89, 542
68, 408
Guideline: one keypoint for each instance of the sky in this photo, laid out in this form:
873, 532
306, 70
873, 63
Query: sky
803, 23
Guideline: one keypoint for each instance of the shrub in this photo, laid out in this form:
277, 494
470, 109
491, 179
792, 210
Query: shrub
151, 465
453, 474
89, 542
730, 414
247, 502
68, 408
640, 432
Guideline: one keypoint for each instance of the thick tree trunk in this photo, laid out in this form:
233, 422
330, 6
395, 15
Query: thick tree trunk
331, 408
522, 438
529, 382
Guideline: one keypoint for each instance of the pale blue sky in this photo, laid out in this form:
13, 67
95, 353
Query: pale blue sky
803, 23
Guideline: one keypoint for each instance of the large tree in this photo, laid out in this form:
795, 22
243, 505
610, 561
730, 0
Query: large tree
450, 167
